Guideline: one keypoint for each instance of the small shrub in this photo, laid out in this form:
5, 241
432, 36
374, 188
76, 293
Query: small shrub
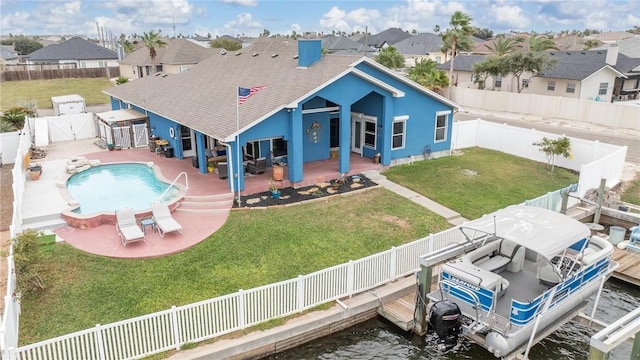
121, 80
29, 261
552, 148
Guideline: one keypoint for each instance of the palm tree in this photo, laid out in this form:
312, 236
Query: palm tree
538, 43
460, 29
151, 41
502, 45
390, 57
426, 73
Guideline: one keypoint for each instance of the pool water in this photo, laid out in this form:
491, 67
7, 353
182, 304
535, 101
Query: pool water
107, 188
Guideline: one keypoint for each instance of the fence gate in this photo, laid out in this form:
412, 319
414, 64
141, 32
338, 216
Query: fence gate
140, 135
122, 137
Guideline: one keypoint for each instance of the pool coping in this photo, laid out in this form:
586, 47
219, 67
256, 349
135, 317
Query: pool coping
94, 220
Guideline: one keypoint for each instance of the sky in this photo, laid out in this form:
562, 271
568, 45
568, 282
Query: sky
252, 17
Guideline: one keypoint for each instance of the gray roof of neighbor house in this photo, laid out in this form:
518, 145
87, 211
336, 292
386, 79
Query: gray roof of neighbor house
177, 52
7, 54
390, 36
463, 62
205, 97
578, 65
420, 44
75, 48
629, 47
332, 44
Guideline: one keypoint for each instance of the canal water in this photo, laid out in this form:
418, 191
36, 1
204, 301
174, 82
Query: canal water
379, 339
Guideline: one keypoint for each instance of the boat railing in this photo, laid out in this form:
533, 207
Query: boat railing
472, 296
186, 183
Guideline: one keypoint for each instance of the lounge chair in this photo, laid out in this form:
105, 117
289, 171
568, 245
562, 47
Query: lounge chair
258, 166
127, 227
165, 223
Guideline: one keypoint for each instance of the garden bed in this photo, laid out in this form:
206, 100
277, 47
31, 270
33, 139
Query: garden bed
290, 195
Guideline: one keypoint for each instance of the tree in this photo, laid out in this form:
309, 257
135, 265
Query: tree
152, 41
226, 43
591, 43
390, 57
492, 66
15, 117
502, 45
29, 261
553, 148
538, 43
460, 29
265, 33
25, 46
426, 73
482, 33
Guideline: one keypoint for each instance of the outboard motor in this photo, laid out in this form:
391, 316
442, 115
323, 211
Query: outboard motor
445, 320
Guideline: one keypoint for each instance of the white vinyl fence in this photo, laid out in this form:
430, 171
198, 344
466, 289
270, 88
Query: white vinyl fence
616, 115
594, 160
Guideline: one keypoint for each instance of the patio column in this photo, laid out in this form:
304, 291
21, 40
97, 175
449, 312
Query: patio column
237, 175
387, 129
345, 139
200, 152
295, 146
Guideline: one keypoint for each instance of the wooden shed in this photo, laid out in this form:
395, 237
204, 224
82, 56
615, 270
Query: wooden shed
124, 128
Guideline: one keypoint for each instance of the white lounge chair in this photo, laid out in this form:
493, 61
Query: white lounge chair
127, 227
165, 223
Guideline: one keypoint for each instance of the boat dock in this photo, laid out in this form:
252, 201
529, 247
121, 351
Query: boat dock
628, 269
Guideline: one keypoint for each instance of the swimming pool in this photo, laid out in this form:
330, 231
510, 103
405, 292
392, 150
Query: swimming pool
107, 188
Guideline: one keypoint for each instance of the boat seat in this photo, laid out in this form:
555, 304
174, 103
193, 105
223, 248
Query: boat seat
498, 256
476, 276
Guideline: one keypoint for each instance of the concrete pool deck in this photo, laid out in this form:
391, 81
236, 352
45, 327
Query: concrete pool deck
43, 203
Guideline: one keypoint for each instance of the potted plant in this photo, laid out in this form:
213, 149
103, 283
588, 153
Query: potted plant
275, 191
35, 170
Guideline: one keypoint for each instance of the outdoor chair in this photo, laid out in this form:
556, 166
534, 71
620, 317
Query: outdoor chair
258, 166
127, 227
221, 169
165, 223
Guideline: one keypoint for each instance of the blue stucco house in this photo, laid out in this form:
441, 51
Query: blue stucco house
311, 105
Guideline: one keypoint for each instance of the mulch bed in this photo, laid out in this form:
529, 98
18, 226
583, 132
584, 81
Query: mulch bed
291, 196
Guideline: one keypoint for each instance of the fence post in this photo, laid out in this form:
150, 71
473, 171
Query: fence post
350, 278
100, 342
392, 263
300, 287
175, 325
241, 314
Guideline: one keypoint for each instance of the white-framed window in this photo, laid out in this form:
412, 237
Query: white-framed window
102, 64
498, 82
442, 119
398, 132
551, 86
571, 88
370, 134
603, 88
252, 150
83, 65
278, 147
183, 68
525, 83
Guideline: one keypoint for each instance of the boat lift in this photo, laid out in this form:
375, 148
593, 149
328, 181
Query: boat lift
615, 334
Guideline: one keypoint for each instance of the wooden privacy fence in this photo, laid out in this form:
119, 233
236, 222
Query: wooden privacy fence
48, 74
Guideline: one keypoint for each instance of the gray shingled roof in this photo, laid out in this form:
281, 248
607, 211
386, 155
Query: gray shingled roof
75, 48
463, 62
7, 54
390, 36
578, 65
177, 52
629, 47
333, 44
419, 44
204, 98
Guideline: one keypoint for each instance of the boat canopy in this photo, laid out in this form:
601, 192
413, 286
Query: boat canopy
544, 231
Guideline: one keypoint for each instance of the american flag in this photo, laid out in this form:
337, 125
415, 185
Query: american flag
245, 93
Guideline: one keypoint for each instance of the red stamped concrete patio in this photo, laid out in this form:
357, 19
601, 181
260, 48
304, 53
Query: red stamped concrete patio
104, 240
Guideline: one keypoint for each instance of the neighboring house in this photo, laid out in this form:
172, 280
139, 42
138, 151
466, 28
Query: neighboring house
629, 47
312, 105
589, 75
78, 51
200, 41
610, 37
8, 57
388, 37
179, 55
421, 46
332, 44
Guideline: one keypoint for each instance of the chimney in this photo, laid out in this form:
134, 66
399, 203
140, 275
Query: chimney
612, 55
309, 52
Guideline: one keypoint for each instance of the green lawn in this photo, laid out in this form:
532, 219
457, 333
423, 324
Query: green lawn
255, 248
632, 193
19, 93
480, 181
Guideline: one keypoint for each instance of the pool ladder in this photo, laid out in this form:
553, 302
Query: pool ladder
186, 182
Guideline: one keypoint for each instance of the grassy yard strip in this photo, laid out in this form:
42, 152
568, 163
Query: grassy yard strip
632, 193
480, 181
253, 248
18, 93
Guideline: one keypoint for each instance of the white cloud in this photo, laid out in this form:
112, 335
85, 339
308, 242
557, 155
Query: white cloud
242, 24
511, 16
335, 20
249, 3
296, 27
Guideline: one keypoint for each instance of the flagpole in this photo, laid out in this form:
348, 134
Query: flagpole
238, 141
